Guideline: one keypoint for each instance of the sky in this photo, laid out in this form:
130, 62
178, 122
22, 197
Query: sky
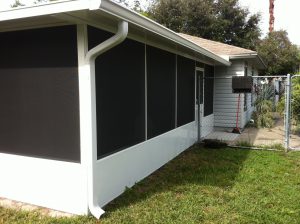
286, 14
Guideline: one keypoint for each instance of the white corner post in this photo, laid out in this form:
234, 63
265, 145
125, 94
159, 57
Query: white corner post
287, 112
87, 96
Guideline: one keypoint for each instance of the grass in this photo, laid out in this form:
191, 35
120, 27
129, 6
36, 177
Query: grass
204, 186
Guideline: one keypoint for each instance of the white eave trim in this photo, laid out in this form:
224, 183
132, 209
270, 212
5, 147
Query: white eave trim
45, 9
111, 8
248, 56
152, 26
242, 56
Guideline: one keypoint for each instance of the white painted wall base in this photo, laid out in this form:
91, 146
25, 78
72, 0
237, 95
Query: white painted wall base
47, 183
123, 169
63, 186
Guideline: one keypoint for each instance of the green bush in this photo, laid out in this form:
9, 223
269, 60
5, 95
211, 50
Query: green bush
263, 120
296, 100
263, 115
281, 106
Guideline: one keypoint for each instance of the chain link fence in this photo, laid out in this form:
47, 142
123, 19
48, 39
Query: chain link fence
294, 129
266, 117
264, 122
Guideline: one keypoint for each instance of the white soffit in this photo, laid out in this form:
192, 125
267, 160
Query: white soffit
88, 7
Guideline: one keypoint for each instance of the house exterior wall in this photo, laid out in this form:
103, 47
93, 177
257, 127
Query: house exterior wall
250, 104
125, 168
125, 165
62, 185
48, 183
226, 102
39, 99
40, 158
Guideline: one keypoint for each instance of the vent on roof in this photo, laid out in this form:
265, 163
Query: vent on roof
242, 84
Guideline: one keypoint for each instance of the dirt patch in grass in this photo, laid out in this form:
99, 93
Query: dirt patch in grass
268, 136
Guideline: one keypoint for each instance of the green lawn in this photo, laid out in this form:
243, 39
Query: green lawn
204, 186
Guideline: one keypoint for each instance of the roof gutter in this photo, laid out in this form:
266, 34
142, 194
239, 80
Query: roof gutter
154, 27
112, 8
90, 58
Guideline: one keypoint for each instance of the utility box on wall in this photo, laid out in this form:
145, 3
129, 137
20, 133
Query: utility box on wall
242, 84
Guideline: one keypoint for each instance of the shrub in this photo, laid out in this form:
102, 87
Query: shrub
263, 115
296, 100
263, 120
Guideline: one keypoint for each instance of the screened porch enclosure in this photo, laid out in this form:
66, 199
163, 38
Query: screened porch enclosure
39, 114
141, 93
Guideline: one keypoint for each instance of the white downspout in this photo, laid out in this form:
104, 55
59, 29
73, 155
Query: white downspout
92, 154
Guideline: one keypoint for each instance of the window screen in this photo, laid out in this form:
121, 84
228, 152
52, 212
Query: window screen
161, 74
199, 64
120, 94
39, 101
209, 90
185, 90
199, 83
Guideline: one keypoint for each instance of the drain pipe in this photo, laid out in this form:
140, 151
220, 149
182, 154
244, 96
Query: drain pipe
90, 58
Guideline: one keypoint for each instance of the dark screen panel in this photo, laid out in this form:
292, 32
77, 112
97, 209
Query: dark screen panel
185, 90
161, 74
120, 94
209, 90
199, 64
39, 99
199, 83
97, 36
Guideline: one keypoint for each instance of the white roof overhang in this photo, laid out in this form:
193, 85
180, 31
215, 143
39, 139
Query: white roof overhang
103, 14
260, 64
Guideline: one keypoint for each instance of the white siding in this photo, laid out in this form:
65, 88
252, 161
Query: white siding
250, 108
226, 102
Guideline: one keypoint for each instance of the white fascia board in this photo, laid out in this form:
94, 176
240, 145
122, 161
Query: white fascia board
45, 9
152, 26
243, 56
249, 56
226, 57
113, 9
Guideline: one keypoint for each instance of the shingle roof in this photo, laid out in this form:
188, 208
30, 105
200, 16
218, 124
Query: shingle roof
218, 47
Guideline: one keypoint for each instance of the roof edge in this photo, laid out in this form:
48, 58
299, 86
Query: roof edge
247, 56
150, 25
113, 9
44, 9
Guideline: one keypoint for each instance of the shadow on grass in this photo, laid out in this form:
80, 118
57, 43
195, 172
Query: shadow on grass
195, 166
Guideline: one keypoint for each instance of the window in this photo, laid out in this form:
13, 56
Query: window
209, 90
185, 91
120, 94
161, 74
39, 96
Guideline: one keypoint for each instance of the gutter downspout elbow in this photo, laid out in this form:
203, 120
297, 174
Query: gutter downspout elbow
118, 38
90, 58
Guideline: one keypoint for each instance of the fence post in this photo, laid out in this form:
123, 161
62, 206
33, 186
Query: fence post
287, 112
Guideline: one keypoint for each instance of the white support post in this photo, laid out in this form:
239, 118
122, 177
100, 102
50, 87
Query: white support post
86, 102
